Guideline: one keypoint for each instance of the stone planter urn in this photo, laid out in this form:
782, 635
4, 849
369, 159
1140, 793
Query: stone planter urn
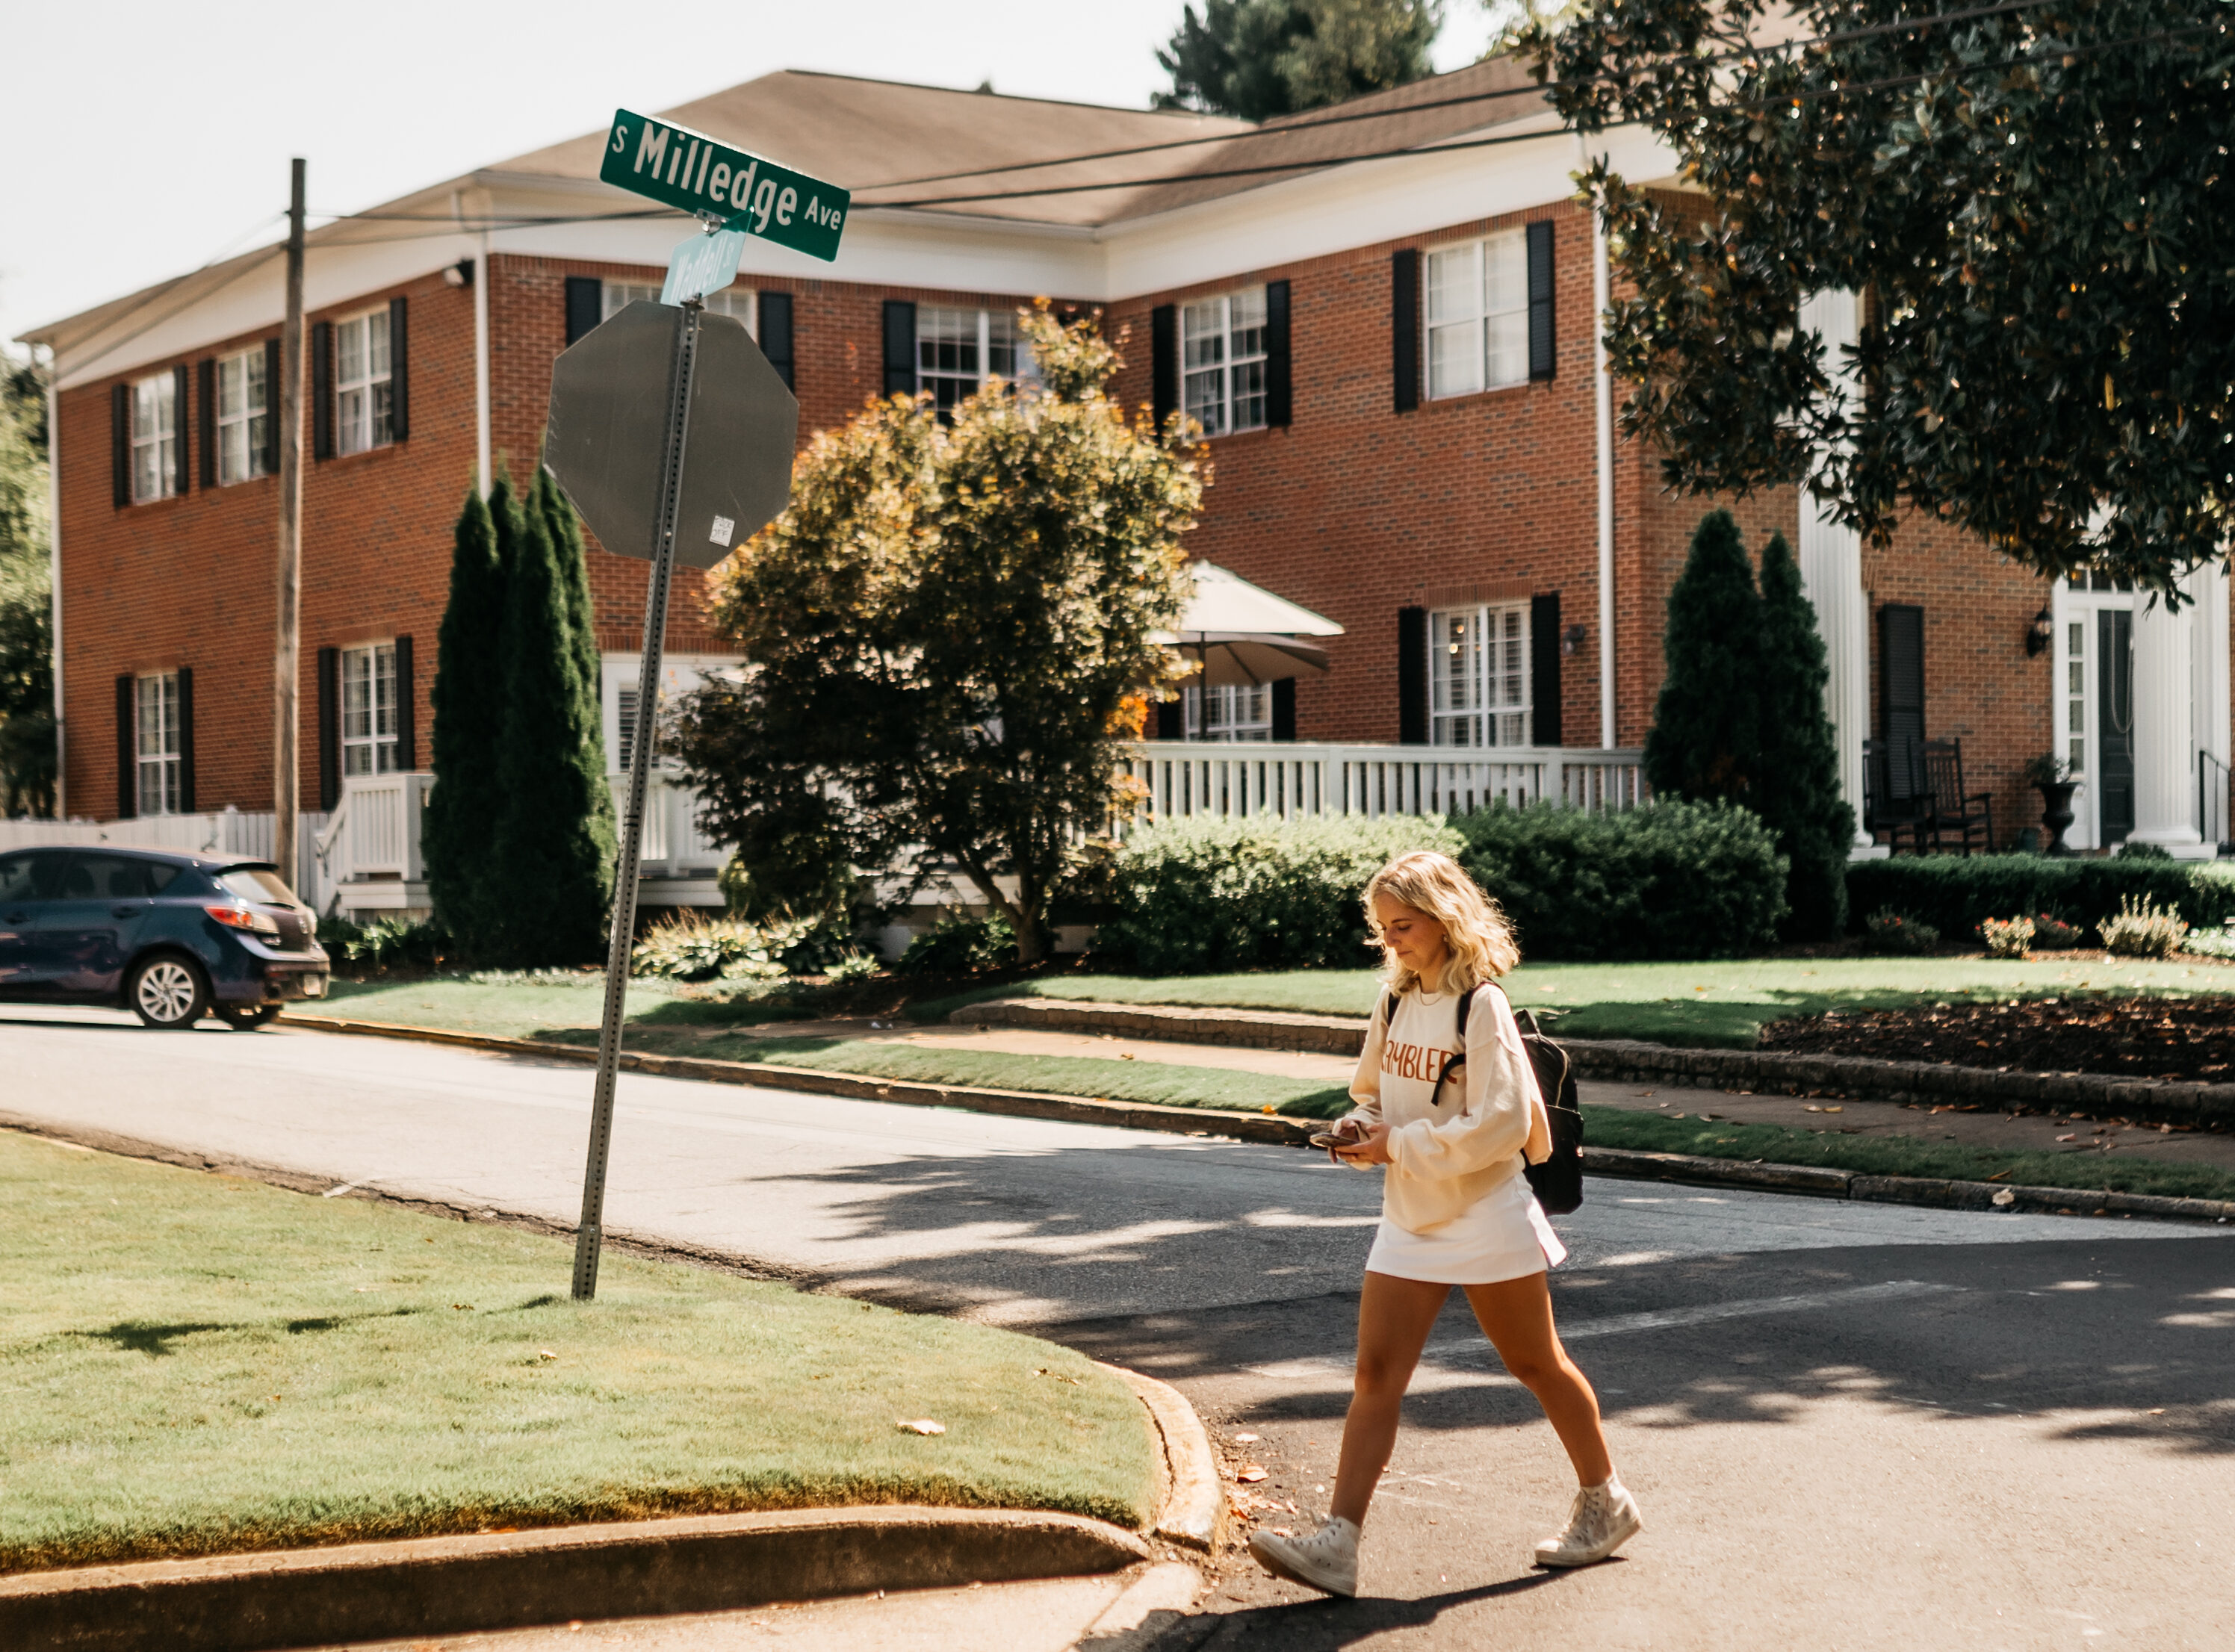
2056, 812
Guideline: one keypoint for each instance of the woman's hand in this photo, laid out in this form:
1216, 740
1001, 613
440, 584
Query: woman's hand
1372, 1148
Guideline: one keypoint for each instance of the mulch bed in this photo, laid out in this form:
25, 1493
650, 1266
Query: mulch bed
2188, 1039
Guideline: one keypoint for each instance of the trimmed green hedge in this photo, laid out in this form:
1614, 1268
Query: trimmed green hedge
1954, 893
1669, 881
1200, 897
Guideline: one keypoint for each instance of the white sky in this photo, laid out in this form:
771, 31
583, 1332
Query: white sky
151, 138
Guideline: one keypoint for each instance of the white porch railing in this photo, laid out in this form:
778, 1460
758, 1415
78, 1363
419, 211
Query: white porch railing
673, 845
1299, 780
231, 832
368, 854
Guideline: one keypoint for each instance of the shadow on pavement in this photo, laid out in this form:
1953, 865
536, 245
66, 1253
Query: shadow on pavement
1304, 1626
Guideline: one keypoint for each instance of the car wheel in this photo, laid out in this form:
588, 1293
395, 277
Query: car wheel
167, 991
247, 1018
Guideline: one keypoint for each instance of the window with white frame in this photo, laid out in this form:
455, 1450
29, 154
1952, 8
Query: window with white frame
369, 730
957, 351
156, 744
1479, 675
1477, 307
1222, 361
1236, 712
154, 438
738, 301
362, 384
243, 411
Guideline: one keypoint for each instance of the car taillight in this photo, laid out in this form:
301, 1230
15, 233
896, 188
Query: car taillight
247, 918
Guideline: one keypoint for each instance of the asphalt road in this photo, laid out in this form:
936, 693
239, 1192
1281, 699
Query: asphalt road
1850, 1426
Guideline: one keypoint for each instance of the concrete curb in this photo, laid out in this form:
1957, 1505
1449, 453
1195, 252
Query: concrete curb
1191, 1510
1026, 1104
456, 1585
1633, 1060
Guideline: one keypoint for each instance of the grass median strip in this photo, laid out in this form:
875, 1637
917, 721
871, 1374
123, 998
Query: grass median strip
198, 1365
1899, 1155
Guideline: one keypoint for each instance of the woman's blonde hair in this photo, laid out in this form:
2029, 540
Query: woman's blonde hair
1480, 940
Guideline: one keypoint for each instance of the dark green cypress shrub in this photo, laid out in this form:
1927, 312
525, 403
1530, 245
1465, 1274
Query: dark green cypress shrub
566, 543
553, 854
1796, 792
1706, 739
468, 736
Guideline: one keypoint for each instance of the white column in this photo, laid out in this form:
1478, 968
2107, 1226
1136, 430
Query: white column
2164, 745
1603, 414
1831, 572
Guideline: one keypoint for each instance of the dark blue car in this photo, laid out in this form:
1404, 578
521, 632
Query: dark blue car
170, 937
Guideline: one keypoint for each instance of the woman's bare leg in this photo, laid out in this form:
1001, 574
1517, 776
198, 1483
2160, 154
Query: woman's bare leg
1394, 1318
1517, 1315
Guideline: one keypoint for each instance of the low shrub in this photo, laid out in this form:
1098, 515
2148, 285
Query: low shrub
387, 942
2007, 937
956, 946
692, 946
1211, 896
1897, 933
1670, 880
2210, 943
2132, 851
1957, 893
2140, 929
2053, 933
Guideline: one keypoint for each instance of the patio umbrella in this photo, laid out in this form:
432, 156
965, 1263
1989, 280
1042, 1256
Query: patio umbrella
1241, 634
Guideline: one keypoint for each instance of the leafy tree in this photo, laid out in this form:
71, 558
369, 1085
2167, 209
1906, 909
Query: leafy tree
942, 633
469, 703
551, 866
2035, 200
1706, 742
566, 528
27, 659
1260, 58
1798, 795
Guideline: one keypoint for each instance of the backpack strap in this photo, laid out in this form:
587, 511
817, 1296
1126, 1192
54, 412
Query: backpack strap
1465, 1009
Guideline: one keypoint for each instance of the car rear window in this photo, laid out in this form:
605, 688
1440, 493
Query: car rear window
254, 883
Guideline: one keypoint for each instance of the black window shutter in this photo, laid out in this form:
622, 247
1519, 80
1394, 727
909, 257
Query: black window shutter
128, 771
330, 727
775, 310
1164, 362
322, 390
1412, 676
1901, 693
406, 709
205, 420
1544, 668
899, 347
1544, 339
1171, 719
1284, 708
1405, 327
399, 370
120, 444
586, 305
271, 404
185, 739
182, 401
1279, 380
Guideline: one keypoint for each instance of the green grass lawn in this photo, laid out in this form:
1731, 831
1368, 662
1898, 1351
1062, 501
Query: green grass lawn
195, 1364
528, 1009
1702, 1005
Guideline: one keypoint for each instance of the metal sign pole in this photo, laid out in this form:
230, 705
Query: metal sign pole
590, 1236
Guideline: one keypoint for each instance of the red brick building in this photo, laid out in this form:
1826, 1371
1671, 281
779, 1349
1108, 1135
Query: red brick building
1394, 357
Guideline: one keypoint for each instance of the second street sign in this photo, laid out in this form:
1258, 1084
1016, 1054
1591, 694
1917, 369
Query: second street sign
682, 168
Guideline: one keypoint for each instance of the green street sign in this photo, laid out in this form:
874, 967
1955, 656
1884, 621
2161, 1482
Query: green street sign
688, 170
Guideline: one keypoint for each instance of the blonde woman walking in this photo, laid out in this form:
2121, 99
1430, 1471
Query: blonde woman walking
1456, 1210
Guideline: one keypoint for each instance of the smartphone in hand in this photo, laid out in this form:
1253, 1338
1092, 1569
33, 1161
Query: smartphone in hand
1345, 1134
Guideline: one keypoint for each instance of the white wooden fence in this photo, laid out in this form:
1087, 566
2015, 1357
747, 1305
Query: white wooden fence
1299, 780
230, 832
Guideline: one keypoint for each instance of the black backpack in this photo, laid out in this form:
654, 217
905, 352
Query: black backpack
1559, 1181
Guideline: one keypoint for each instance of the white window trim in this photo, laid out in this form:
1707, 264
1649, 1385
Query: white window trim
160, 391
1247, 712
1229, 365
155, 768
738, 300
346, 429
253, 411
1472, 325
1024, 368
1490, 714
380, 740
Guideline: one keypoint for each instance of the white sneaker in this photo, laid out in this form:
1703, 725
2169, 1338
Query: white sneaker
1327, 1560
1604, 1518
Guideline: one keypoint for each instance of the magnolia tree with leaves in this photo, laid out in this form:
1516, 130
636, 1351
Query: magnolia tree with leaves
26, 655
946, 634
2035, 200
1261, 58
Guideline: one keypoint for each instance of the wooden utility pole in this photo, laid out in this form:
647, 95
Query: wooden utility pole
287, 645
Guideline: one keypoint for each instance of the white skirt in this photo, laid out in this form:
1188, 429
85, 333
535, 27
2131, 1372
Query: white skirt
1503, 1235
